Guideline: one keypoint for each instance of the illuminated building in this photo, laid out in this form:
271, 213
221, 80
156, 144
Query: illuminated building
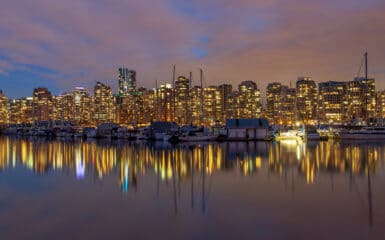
164, 103
306, 90
127, 81
380, 104
212, 105
146, 106
287, 115
3, 109
281, 106
42, 104
182, 100
21, 110
63, 107
273, 101
197, 105
125, 108
103, 104
82, 107
226, 91
361, 98
248, 100
332, 102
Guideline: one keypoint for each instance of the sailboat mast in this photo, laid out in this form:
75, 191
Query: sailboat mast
173, 90
202, 98
366, 87
189, 113
366, 66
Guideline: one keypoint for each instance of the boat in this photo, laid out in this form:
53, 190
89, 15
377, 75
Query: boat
312, 135
195, 136
162, 131
364, 133
291, 134
361, 130
89, 132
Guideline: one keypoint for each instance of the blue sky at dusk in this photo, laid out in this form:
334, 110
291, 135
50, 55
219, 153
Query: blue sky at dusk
63, 44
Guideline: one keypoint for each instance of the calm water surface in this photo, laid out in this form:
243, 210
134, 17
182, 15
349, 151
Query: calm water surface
53, 189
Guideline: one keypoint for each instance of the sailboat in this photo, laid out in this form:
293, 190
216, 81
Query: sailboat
198, 134
364, 132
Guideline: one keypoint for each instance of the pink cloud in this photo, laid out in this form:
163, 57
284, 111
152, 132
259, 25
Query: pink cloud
270, 41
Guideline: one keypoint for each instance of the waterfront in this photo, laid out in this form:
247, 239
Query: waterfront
52, 189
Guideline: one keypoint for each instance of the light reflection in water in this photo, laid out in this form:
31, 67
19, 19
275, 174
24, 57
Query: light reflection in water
130, 159
194, 165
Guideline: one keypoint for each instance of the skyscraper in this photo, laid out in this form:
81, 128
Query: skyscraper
104, 110
3, 108
332, 102
361, 98
273, 101
226, 91
248, 100
82, 106
127, 81
21, 110
164, 103
212, 105
182, 100
42, 104
306, 90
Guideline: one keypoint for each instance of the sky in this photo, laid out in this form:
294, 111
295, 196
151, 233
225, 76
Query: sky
62, 44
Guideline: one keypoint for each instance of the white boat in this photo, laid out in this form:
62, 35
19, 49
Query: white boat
290, 135
364, 133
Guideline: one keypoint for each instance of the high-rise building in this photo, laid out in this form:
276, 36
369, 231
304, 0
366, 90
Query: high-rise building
63, 107
287, 114
21, 110
104, 110
380, 104
227, 97
197, 107
273, 101
164, 103
42, 104
127, 81
306, 90
332, 104
248, 100
82, 107
145, 106
212, 104
182, 100
3, 108
361, 98
281, 106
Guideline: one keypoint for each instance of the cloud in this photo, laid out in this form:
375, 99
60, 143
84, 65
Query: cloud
85, 41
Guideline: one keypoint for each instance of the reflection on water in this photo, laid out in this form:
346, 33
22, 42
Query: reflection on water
102, 158
192, 167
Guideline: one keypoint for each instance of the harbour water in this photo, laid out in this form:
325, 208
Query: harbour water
57, 189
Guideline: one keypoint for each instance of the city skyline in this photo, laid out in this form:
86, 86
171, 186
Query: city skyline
308, 103
56, 45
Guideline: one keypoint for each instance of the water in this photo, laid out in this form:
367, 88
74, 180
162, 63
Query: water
53, 189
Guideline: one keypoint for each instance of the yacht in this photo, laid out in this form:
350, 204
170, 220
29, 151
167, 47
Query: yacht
364, 133
292, 134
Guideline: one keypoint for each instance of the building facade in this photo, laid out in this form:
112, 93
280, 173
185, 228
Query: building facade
104, 106
306, 91
3, 109
127, 81
332, 104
